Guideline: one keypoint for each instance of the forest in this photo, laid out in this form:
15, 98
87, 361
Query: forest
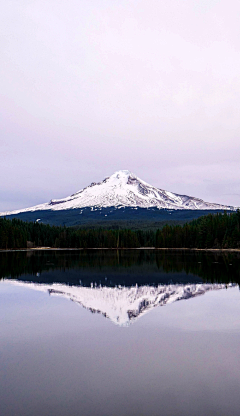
220, 230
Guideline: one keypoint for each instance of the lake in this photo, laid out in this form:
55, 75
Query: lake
119, 332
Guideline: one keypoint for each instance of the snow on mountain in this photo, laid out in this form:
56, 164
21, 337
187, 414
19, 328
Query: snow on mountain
123, 188
122, 305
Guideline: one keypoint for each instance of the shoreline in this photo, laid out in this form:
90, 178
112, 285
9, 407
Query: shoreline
214, 250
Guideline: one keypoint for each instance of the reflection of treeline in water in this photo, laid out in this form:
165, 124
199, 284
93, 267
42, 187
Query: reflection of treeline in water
210, 231
124, 267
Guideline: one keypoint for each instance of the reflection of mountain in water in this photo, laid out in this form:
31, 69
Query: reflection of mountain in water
122, 305
121, 284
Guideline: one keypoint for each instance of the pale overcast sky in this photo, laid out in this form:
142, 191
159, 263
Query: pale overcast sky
91, 87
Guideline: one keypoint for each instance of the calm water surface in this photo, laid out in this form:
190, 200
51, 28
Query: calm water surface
146, 333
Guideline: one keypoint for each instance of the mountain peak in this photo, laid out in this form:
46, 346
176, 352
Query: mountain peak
121, 173
125, 189
121, 177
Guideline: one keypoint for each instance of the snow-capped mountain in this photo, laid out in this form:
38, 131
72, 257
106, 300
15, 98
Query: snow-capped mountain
122, 305
124, 189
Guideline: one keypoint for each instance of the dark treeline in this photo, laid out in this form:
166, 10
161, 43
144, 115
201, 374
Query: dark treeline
210, 231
